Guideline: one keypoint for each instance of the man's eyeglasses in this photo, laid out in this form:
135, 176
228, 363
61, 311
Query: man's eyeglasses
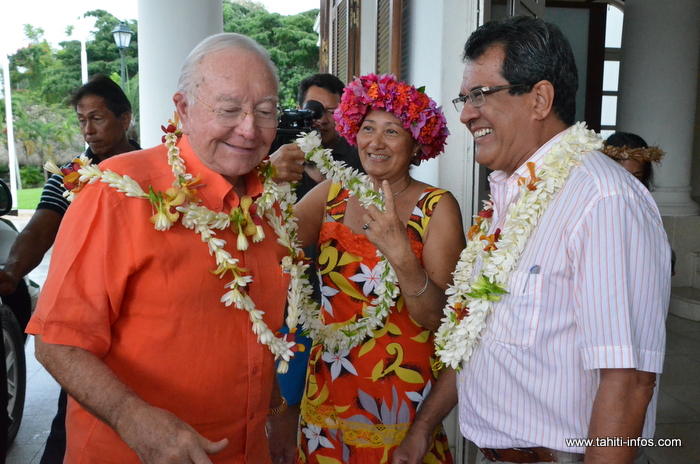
263, 117
477, 97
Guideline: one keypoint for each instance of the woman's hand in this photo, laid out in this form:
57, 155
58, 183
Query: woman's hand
385, 230
422, 281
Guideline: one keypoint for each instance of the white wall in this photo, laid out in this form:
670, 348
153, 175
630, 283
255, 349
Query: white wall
166, 37
439, 31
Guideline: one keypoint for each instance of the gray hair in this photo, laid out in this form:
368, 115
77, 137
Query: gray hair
216, 43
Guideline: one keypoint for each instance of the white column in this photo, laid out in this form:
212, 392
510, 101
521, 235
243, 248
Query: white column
12, 156
167, 34
658, 91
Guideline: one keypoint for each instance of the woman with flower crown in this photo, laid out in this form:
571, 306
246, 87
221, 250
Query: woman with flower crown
384, 268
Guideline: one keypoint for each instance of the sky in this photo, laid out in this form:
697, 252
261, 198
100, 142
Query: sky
54, 17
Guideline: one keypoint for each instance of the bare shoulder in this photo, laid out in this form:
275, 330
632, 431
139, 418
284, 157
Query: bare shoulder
446, 220
314, 199
310, 212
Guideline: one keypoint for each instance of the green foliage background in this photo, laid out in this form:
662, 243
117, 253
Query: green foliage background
291, 41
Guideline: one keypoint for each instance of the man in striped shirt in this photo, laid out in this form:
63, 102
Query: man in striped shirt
104, 114
573, 350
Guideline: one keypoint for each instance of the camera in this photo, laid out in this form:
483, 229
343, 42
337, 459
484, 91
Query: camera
293, 122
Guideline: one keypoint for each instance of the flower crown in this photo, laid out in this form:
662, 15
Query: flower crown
650, 154
418, 112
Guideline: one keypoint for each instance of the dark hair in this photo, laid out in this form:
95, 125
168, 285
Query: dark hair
534, 50
104, 87
629, 140
327, 82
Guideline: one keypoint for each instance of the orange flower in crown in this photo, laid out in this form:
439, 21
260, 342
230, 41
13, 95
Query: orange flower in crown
419, 113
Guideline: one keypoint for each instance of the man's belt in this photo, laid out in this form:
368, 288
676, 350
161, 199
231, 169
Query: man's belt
524, 455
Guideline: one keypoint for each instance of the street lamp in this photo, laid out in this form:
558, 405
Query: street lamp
122, 37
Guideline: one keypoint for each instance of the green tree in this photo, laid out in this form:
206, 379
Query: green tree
43, 129
55, 74
291, 41
44, 79
30, 65
102, 53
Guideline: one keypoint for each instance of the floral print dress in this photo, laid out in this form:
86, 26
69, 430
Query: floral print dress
358, 404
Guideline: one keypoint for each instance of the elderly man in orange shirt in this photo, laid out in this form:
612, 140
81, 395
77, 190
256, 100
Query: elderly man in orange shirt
160, 367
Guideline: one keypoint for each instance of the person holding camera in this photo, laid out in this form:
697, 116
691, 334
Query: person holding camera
289, 159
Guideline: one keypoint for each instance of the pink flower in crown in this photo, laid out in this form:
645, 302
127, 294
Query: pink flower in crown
413, 107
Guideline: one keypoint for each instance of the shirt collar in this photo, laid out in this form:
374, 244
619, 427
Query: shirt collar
505, 188
216, 192
498, 177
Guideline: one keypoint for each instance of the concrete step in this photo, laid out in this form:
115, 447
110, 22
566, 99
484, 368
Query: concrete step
685, 302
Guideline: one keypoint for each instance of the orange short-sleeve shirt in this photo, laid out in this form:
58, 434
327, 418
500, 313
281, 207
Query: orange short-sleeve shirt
146, 303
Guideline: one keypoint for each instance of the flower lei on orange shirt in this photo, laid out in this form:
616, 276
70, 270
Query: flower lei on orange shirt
180, 203
470, 299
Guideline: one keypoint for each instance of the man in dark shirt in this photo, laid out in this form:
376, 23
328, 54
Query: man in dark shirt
289, 159
104, 114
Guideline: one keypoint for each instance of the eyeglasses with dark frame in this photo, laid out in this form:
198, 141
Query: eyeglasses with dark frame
231, 117
477, 97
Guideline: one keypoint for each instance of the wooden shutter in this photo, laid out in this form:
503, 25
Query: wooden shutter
389, 15
344, 41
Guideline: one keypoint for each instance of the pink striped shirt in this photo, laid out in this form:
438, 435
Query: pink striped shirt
599, 301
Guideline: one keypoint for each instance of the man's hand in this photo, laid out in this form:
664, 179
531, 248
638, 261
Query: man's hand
158, 436
418, 440
289, 162
29, 248
8, 282
414, 447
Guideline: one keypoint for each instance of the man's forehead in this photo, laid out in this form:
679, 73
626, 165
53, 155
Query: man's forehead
91, 104
485, 70
315, 93
236, 74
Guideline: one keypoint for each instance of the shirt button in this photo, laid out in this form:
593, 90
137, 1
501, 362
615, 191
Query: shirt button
255, 370
252, 416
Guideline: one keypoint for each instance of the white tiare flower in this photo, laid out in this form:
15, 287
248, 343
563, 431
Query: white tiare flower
309, 141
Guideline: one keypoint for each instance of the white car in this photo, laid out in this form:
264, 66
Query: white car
15, 311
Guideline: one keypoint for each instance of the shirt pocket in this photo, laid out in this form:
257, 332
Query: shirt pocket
515, 318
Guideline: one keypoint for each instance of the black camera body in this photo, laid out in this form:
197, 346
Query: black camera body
292, 123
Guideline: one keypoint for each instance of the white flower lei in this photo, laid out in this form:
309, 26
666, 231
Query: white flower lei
335, 337
459, 334
203, 221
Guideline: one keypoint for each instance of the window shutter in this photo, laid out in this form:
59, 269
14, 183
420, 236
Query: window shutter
344, 38
389, 17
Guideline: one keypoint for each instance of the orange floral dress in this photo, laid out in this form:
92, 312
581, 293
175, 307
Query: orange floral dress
358, 404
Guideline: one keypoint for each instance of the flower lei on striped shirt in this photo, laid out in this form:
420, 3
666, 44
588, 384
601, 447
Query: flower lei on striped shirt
180, 202
339, 337
470, 300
